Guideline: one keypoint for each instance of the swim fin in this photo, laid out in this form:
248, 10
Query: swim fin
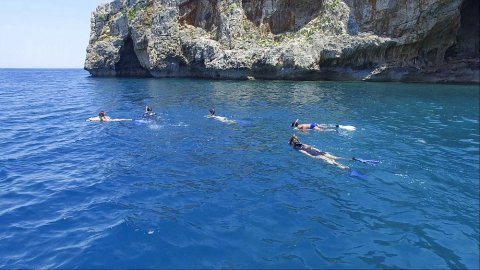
355, 173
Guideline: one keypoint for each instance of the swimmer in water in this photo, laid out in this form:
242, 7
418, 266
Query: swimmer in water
313, 125
316, 153
211, 114
149, 113
103, 117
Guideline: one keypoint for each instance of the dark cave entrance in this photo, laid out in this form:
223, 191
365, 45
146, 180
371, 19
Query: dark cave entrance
467, 44
199, 13
289, 15
129, 65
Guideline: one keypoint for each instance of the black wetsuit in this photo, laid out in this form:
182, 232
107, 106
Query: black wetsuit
310, 150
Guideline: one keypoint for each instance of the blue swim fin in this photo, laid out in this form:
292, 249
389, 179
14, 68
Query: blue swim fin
355, 173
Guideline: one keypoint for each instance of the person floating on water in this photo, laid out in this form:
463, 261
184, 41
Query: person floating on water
314, 126
212, 114
149, 113
327, 157
102, 117
316, 153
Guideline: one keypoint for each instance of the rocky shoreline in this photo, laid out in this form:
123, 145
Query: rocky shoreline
412, 41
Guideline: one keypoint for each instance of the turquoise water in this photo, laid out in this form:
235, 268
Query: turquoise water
192, 192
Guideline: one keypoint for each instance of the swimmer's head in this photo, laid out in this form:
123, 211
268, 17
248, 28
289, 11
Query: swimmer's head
337, 126
101, 114
212, 111
293, 140
295, 123
148, 109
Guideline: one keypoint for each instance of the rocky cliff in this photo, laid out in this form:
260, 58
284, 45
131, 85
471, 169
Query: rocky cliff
376, 40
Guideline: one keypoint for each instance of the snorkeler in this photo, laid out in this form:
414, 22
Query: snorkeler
316, 153
149, 113
314, 126
211, 114
102, 117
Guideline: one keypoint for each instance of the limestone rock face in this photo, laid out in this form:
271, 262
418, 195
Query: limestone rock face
378, 40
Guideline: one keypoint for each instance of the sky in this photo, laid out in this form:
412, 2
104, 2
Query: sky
45, 33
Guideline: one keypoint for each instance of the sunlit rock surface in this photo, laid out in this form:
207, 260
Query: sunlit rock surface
383, 40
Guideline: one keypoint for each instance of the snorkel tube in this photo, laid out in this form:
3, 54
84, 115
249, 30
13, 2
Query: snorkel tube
294, 124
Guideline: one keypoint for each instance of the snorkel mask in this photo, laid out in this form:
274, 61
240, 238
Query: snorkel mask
294, 124
293, 140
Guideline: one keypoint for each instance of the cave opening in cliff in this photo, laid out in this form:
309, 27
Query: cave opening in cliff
282, 15
467, 44
254, 10
129, 65
199, 13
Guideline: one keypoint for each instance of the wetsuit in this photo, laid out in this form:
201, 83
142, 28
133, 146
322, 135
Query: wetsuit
310, 150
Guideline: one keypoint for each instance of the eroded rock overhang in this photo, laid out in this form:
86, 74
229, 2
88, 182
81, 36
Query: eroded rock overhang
284, 39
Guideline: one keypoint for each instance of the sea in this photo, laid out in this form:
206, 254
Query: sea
187, 191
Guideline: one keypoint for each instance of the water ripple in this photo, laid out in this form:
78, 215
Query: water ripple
190, 192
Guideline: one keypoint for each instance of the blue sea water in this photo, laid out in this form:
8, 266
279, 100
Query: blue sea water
192, 192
